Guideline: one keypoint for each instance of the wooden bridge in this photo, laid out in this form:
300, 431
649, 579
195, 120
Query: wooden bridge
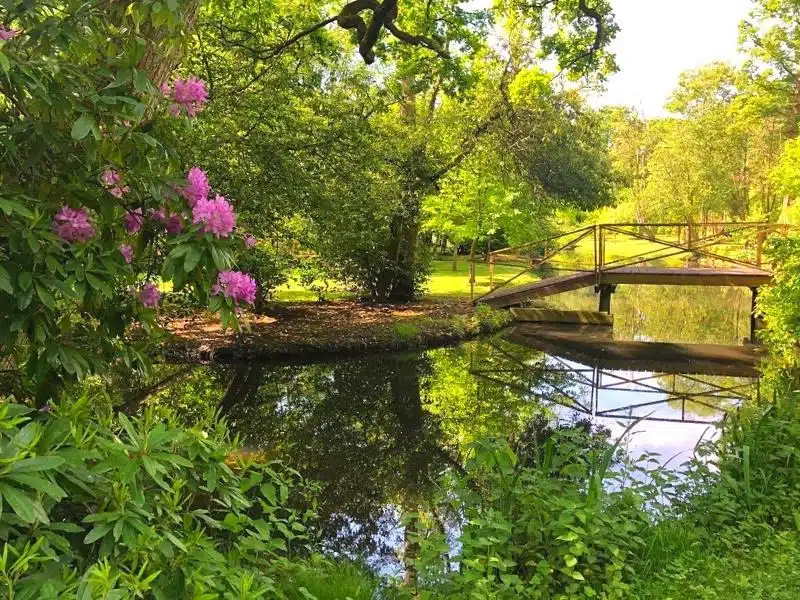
604, 256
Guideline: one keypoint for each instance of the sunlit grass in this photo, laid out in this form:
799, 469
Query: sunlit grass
446, 283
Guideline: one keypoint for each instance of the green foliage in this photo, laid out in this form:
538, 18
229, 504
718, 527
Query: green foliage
321, 579
530, 529
780, 303
491, 319
103, 506
766, 570
751, 473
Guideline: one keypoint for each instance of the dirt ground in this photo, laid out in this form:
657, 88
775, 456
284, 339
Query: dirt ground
300, 330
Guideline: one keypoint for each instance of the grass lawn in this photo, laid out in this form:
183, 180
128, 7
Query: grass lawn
443, 283
446, 283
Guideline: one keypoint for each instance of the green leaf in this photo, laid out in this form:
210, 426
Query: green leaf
40, 484
5, 64
98, 284
82, 127
141, 81
25, 280
577, 576
178, 544
192, 258
12, 206
36, 463
46, 297
99, 531
25, 507
5, 281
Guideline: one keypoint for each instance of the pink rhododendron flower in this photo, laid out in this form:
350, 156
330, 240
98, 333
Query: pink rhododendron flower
197, 188
187, 94
250, 240
7, 34
174, 224
119, 192
109, 177
73, 224
236, 285
127, 252
159, 215
149, 295
215, 215
133, 220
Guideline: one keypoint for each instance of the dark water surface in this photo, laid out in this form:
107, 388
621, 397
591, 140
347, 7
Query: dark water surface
377, 431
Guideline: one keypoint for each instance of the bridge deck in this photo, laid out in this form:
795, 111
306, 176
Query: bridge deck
729, 277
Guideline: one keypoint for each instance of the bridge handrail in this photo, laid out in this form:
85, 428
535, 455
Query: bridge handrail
599, 230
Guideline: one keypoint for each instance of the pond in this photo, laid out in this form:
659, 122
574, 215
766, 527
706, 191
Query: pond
377, 431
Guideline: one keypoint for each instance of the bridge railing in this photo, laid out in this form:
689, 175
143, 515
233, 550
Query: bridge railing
604, 247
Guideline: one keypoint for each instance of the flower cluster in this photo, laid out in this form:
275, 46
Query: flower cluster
249, 240
149, 295
239, 286
73, 225
198, 187
215, 215
111, 180
127, 252
187, 94
7, 34
133, 220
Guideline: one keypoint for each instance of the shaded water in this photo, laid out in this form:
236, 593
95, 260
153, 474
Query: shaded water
377, 431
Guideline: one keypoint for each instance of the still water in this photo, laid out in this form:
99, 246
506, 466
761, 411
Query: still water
377, 431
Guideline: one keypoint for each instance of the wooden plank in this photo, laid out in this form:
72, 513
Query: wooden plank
504, 297
687, 276
656, 357
547, 315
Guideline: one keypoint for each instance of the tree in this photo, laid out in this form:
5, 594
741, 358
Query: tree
355, 195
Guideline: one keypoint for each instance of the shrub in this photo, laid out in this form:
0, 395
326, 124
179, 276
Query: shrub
554, 522
103, 506
93, 192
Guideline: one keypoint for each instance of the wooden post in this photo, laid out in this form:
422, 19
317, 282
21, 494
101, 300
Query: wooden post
759, 246
606, 289
753, 314
491, 273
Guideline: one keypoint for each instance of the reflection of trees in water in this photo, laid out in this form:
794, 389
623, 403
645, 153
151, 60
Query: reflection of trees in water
358, 427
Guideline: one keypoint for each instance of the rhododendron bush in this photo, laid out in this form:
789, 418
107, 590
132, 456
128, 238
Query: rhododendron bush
99, 217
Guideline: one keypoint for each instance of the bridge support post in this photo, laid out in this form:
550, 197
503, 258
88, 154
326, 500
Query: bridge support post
753, 314
605, 290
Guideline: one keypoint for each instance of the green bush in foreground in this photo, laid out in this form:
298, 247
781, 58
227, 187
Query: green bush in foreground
102, 506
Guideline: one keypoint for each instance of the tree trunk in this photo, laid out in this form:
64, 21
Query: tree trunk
161, 59
455, 258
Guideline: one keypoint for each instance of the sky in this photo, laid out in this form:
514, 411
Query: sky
659, 39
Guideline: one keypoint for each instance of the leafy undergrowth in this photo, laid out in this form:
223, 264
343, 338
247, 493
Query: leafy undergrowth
102, 506
768, 570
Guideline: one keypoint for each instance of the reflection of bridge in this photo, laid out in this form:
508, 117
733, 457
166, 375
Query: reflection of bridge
689, 378
604, 256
